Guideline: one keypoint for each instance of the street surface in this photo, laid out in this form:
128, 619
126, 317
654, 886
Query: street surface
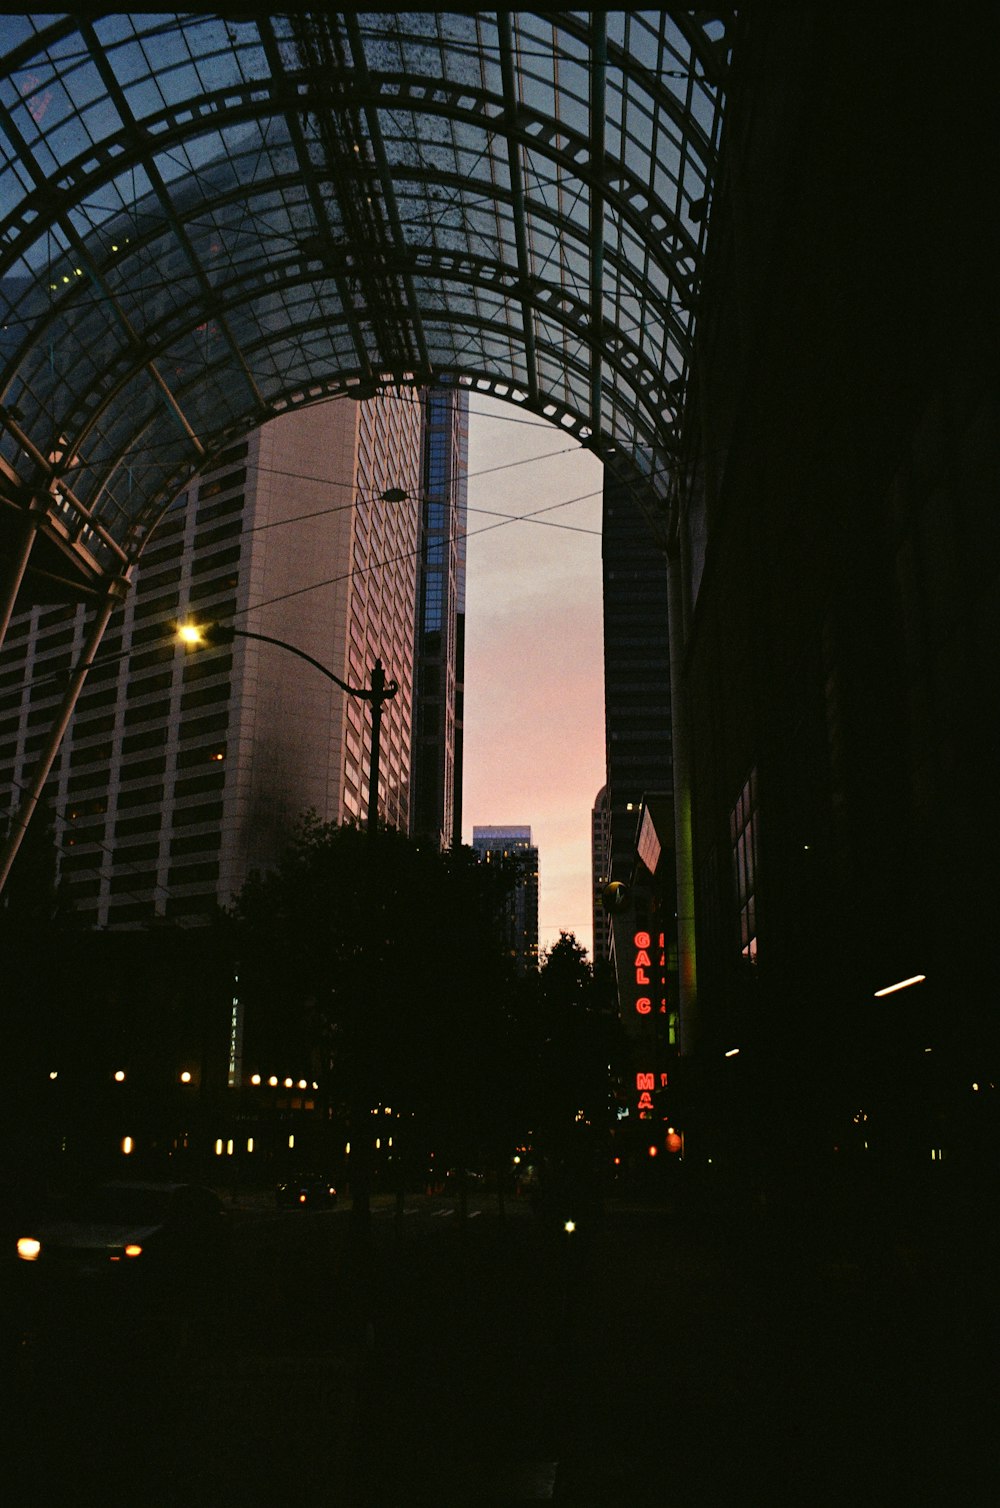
655, 1358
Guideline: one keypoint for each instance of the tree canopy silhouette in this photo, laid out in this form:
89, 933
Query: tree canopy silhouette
382, 959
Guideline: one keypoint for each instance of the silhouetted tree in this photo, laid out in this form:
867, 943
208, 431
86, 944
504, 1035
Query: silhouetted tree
382, 957
578, 1028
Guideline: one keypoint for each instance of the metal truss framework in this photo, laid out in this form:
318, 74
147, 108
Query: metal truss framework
207, 220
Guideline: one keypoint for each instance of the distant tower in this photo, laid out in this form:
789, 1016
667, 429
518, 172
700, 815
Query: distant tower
600, 832
494, 844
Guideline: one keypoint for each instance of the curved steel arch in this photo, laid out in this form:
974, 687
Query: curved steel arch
211, 219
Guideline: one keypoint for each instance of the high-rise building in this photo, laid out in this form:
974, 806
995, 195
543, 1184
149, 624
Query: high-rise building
181, 773
496, 845
638, 732
636, 672
600, 874
436, 801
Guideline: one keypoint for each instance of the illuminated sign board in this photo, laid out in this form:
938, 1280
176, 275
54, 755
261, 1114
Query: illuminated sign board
650, 977
649, 962
646, 1084
235, 1036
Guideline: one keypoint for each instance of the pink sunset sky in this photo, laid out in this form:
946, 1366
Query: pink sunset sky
534, 668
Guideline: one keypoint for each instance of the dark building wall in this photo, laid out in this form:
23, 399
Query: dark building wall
843, 637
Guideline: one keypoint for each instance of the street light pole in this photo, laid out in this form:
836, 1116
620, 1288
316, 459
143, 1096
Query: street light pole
378, 693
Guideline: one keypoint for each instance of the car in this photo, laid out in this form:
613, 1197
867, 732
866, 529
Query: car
306, 1191
128, 1232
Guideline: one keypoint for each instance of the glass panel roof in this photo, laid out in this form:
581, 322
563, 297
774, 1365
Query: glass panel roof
205, 219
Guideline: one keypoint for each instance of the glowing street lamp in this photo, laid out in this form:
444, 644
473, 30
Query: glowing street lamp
380, 691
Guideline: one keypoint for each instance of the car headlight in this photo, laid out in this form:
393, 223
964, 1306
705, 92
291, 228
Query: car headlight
28, 1248
133, 1249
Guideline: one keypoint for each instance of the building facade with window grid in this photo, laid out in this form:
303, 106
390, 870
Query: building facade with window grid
182, 772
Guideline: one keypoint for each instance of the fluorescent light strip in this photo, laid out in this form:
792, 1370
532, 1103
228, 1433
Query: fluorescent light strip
903, 984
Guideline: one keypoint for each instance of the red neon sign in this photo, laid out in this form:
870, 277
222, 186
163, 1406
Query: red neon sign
644, 976
641, 942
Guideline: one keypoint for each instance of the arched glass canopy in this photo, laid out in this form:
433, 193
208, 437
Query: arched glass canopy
206, 220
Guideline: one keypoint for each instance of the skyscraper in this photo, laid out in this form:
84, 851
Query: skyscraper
639, 754
636, 672
513, 844
600, 874
436, 803
181, 773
